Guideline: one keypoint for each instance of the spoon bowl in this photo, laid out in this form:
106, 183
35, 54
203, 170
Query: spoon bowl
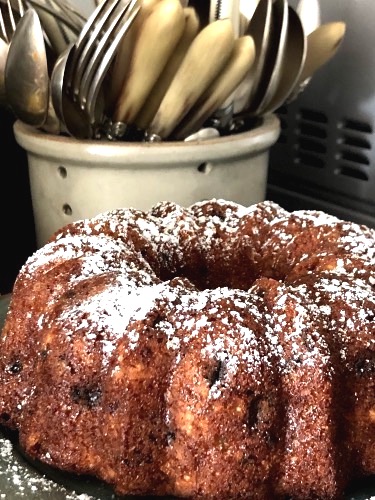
259, 29
71, 115
26, 71
295, 56
275, 59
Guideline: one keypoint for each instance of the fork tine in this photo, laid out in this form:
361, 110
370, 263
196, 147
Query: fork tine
3, 31
11, 16
92, 40
96, 75
87, 38
92, 20
128, 14
21, 7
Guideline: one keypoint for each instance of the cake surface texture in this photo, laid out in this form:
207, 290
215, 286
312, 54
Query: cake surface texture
214, 352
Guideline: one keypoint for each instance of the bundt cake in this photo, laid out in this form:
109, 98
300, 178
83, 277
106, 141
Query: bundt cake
215, 352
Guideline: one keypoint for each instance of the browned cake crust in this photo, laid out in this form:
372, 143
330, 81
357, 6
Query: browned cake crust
214, 352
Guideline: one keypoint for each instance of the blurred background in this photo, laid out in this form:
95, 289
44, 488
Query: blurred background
324, 158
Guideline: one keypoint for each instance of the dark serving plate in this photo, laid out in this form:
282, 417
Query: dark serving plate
22, 478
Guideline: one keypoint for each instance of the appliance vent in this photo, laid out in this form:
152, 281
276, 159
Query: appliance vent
325, 156
354, 148
357, 126
312, 139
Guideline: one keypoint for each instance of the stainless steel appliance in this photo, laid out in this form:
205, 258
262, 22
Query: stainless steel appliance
325, 156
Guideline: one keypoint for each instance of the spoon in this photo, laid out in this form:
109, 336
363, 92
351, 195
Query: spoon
259, 29
26, 71
294, 60
275, 58
72, 116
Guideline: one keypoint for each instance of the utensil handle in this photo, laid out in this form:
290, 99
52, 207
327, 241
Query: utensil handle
157, 39
240, 62
155, 97
194, 75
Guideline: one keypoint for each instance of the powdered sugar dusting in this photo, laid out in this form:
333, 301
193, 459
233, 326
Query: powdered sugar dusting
20, 480
130, 280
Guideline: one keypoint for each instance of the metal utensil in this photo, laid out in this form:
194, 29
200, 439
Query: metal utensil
98, 67
72, 116
203, 134
274, 59
62, 19
296, 47
309, 14
9, 18
60, 27
76, 81
259, 29
26, 71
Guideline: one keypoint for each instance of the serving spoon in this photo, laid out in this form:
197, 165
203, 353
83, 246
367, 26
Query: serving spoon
26, 71
275, 60
295, 56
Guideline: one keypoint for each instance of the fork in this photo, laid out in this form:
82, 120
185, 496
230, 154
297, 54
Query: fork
9, 19
91, 56
10, 16
97, 25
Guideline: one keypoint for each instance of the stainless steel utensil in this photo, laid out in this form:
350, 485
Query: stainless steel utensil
73, 118
26, 71
88, 39
309, 14
259, 29
62, 19
274, 59
77, 78
9, 18
295, 55
62, 28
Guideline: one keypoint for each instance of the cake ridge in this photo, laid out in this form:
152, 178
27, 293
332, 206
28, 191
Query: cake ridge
175, 346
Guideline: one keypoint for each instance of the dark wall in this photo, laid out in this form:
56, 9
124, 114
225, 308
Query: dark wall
17, 237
